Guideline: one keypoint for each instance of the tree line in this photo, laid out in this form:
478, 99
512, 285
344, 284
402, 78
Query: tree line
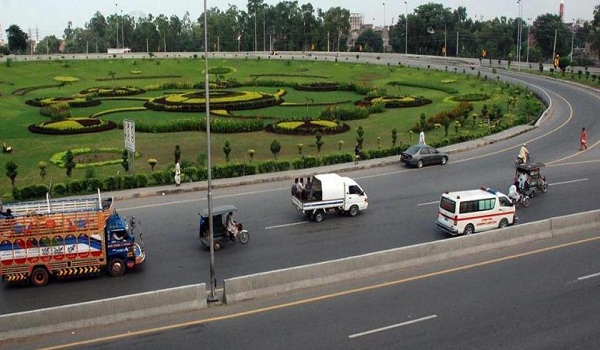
431, 29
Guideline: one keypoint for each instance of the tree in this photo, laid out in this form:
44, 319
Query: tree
11, 171
394, 137
48, 45
369, 41
125, 160
275, 148
152, 162
446, 124
177, 153
42, 166
544, 29
227, 150
69, 163
17, 40
319, 142
360, 132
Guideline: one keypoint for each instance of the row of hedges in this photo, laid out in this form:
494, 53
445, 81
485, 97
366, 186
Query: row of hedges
160, 104
88, 101
193, 173
217, 125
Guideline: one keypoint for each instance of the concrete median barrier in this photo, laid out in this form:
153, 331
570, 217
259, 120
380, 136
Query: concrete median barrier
285, 280
100, 312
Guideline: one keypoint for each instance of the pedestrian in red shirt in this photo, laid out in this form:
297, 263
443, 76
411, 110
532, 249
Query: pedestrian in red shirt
583, 144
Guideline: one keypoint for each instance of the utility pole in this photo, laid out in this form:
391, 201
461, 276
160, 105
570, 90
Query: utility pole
528, 27
117, 20
383, 35
122, 30
572, 38
406, 28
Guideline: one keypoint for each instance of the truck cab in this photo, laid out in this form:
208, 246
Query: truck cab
122, 252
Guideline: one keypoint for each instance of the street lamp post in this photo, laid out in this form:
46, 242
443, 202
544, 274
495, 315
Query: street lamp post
406, 28
117, 19
519, 31
213, 279
254, 30
383, 35
528, 27
572, 38
122, 30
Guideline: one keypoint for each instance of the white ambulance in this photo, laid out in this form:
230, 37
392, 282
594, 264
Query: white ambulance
467, 212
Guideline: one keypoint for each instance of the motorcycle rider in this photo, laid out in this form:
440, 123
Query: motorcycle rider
523, 154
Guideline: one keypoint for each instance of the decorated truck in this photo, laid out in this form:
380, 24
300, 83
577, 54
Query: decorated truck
326, 193
66, 238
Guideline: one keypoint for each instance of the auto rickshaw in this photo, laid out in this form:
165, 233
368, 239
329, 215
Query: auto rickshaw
534, 180
221, 234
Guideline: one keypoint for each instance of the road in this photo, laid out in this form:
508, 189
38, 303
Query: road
402, 210
540, 295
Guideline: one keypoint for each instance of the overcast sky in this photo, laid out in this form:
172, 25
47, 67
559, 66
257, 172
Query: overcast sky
50, 17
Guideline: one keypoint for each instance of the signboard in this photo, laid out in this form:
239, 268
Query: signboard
129, 129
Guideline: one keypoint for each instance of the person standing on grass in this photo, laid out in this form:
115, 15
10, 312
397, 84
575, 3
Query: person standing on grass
177, 174
422, 138
583, 144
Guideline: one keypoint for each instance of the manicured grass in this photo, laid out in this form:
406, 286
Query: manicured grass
29, 149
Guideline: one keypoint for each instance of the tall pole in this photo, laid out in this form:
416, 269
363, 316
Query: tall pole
264, 30
445, 38
254, 30
122, 30
554, 48
213, 280
528, 27
406, 28
117, 19
383, 36
519, 31
572, 38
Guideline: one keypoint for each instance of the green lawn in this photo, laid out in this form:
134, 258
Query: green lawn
30, 149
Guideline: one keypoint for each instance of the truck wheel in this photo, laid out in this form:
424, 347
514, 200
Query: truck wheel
244, 236
116, 267
353, 210
39, 277
318, 216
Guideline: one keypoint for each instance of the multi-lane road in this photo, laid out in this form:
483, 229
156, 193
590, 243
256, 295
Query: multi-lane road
401, 212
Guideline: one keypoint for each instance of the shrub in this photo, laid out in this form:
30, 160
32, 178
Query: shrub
60, 189
157, 177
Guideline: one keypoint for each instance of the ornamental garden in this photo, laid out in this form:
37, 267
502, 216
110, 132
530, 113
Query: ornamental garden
63, 119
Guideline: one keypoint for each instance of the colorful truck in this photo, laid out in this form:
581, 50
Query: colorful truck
66, 238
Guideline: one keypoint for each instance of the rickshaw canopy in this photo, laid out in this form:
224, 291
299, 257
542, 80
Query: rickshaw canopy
219, 210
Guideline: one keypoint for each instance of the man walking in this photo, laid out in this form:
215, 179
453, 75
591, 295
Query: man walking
583, 144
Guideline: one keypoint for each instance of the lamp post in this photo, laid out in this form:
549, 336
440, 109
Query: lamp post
519, 31
572, 38
528, 27
122, 30
383, 35
117, 19
406, 28
213, 280
254, 30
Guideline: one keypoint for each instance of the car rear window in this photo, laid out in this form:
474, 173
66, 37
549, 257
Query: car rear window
448, 204
413, 150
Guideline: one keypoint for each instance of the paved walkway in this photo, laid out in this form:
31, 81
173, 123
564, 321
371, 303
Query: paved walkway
291, 174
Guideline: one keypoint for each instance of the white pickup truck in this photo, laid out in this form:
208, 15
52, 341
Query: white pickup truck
330, 192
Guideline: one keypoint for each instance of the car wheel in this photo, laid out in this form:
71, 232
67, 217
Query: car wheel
420, 164
353, 210
444, 160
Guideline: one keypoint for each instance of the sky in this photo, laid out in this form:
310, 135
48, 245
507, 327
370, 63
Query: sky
51, 17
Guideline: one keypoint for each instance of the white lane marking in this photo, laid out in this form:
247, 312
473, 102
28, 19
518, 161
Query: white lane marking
286, 225
391, 327
567, 182
588, 276
428, 203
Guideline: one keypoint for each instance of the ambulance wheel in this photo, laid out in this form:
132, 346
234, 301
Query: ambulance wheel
116, 267
469, 230
39, 277
503, 223
353, 210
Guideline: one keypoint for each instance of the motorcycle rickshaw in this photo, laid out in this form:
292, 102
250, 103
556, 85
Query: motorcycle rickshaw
534, 181
221, 234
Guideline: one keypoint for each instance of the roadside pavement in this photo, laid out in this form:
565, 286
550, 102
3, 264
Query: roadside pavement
295, 173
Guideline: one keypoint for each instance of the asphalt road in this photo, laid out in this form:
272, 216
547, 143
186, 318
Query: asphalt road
540, 295
402, 210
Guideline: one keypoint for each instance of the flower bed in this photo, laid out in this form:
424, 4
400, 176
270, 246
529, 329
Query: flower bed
307, 127
72, 126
